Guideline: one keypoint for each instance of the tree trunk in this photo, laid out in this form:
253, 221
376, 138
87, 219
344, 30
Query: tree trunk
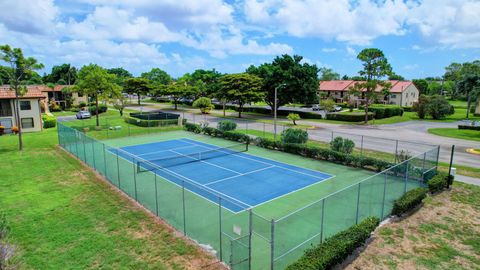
96, 110
138, 98
240, 108
19, 124
224, 101
468, 103
175, 103
366, 113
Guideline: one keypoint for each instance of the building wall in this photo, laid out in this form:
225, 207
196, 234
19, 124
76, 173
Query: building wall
406, 98
477, 109
34, 113
77, 99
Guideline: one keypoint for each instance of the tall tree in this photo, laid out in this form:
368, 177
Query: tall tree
157, 76
96, 82
19, 66
328, 74
175, 91
375, 67
241, 88
121, 73
469, 85
62, 73
422, 86
206, 81
299, 80
397, 77
138, 86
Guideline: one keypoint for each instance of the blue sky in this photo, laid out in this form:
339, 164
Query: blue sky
418, 37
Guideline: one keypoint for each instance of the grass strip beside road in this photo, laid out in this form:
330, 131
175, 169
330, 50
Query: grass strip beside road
464, 134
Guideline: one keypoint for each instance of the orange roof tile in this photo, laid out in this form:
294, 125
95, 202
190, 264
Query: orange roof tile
32, 92
344, 85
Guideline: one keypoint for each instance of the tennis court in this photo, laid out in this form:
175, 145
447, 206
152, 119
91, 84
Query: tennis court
242, 180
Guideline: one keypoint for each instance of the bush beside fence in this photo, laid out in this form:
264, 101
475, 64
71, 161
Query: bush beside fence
49, 121
409, 201
438, 183
150, 123
349, 117
337, 248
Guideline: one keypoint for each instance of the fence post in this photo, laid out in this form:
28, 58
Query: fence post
321, 224
183, 206
134, 178
246, 127
76, 143
406, 177
396, 151
93, 155
384, 191
272, 244
332, 135
104, 161
118, 171
220, 227
263, 129
358, 202
129, 130
250, 231
84, 148
450, 178
361, 147
156, 193
424, 158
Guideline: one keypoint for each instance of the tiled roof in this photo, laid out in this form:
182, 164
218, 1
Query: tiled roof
32, 92
45, 88
344, 85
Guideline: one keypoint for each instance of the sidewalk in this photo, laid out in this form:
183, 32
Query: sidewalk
467, 179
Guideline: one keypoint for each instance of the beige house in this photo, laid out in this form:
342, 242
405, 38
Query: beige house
402, 93
477, 109
57, 94
30, 111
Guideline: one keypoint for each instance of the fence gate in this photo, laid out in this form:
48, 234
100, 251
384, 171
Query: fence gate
240, 253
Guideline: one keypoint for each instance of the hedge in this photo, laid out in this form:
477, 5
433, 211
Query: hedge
193, 128
350, 117
49, 121
228, 135
468, 127
384, 111
409, 201
101, 109
326, 154
337, 248
407, 109
262, 110
438, 183
150, 123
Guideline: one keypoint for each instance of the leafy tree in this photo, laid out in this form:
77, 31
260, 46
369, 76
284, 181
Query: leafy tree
19, 66
175, 91
422, 86
299, 80
4, 74
96, 82
375, 67
293, 117
343, 145
420, 107
328, 74
434, 88
157, 76
241, 88
138, 86
469, 85
394, 76
204, 104
327, 104
65, 72
119, 102
438, 107
121, 73
294, 135
206, 81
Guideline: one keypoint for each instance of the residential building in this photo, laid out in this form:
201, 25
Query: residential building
402, 93
29, 111
59, 96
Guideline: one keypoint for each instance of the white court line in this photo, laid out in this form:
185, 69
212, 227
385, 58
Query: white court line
270, 163
206, 162
154, 152
228, 178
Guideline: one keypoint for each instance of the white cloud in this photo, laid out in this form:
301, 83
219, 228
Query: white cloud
329, 50
34, 17
351, 51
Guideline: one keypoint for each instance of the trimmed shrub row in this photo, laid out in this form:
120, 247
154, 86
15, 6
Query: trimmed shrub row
439, 182
337, 248
407, 109
468, 127
384, 111
262, 110
193, 128
101, 109
150, 123
325, 154
408, 201
228, 135
350, 117
49, 121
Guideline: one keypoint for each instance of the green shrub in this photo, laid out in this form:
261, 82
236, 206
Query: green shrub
293, 117
342, 145
150, 123
468, 127
337, 248
193, 128
349, 117
101, 109
49, 121
235, 136
266, 143
409, 201
227, 125
204, 104
438, 183
294, 135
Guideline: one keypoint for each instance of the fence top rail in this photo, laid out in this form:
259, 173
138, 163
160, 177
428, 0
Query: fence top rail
206, 189
350, 186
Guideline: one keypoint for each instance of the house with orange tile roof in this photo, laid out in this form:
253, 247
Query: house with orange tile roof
402, 93
58, 95
30, 114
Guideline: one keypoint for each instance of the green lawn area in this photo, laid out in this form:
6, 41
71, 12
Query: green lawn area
465, 134
62, 216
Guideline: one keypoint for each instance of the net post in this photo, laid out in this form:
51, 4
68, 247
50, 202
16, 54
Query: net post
156, 193
134, 178
321, 222
118, 171
358, 202
183, 207
384, 191
220, 227
272, 244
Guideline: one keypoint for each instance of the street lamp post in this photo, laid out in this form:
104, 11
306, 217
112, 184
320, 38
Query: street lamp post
275, 112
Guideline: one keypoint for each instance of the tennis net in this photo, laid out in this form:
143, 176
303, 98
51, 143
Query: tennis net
179, 159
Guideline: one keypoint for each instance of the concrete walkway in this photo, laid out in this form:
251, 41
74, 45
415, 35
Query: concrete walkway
467, 179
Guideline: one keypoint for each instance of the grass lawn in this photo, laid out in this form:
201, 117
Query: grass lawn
62, 216
465, 134
443, 234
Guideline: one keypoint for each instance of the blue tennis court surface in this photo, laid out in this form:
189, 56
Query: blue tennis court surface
242, 181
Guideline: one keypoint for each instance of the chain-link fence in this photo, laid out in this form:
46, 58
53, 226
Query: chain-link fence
247, 240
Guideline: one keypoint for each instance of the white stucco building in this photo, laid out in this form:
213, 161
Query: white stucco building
30, 110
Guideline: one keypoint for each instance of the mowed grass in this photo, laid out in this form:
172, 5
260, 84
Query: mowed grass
443, 234
464, 134
63, 217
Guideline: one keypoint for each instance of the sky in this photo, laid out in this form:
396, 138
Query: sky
419, 37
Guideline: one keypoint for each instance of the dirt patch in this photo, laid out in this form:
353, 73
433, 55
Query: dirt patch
441, 235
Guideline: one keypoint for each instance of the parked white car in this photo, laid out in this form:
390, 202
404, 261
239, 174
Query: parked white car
83, 115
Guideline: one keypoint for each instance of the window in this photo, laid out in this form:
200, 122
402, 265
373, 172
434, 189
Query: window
27, 122
5, 108
394, 96
25, 105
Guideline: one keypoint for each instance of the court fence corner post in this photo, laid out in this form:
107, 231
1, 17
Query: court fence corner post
358, 203
272, 244
250, 233
183, 209
220, 229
